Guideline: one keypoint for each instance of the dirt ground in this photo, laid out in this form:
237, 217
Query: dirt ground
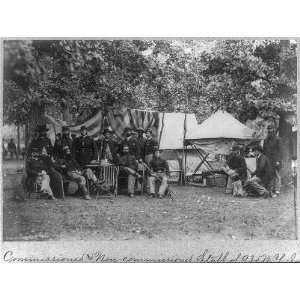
196, 213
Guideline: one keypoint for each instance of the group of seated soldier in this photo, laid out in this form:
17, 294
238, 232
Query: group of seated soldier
71, 156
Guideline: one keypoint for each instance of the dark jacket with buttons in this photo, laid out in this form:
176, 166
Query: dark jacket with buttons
158, 164
129, 161
84, 150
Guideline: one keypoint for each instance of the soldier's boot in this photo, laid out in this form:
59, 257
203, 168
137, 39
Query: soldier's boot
85, 192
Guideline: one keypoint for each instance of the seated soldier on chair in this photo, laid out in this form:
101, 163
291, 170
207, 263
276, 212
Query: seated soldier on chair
72, 169
129, 164
159, 170
38, 170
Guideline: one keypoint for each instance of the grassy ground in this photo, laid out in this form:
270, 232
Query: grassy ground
196, 213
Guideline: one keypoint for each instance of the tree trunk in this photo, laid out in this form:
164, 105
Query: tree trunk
37, 117
18, 141
285, 132
67, 117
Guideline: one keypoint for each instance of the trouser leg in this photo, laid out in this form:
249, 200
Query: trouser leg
90, 175
277, 179
151, 183
229, 186
163, 184
45, 184
77, 177
131, 184
254, 186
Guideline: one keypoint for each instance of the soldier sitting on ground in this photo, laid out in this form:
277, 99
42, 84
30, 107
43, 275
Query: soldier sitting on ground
259, 184
236, 169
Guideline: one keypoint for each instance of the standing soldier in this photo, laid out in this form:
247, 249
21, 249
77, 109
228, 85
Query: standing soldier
84, 148
149, 146
57, 149
12, 149
141, 141
107, 147
66, 139
132, 142
41, 141
273, 150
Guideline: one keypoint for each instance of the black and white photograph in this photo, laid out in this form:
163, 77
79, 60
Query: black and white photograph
140, 140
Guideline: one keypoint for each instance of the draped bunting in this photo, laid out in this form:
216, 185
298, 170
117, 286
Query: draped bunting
116, 120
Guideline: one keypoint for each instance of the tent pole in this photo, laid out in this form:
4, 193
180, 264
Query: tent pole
161, 130
184, 150
185, 156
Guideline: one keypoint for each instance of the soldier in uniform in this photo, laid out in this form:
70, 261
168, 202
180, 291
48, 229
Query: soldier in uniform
57, 149
260, 182
159, 171
273, 150
141, 141
149, 146
236, 169
132, 142
41, 142
71, 168
38, 169
108, 147
129, 165
84, 148
66, 139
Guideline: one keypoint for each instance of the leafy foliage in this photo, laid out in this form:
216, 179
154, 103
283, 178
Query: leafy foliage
82, 76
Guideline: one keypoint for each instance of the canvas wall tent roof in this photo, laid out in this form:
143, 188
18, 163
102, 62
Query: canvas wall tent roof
220, 125
215, 136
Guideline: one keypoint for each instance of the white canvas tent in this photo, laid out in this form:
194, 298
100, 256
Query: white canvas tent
173, 127
215, 136
211, 138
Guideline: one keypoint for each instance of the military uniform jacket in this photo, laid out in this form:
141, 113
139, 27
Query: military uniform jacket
128, 160
84, 150
35, 166
264, 169
273, 149
149, 146
159, 164
112, 145
237, 162
40, 143
134, 147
